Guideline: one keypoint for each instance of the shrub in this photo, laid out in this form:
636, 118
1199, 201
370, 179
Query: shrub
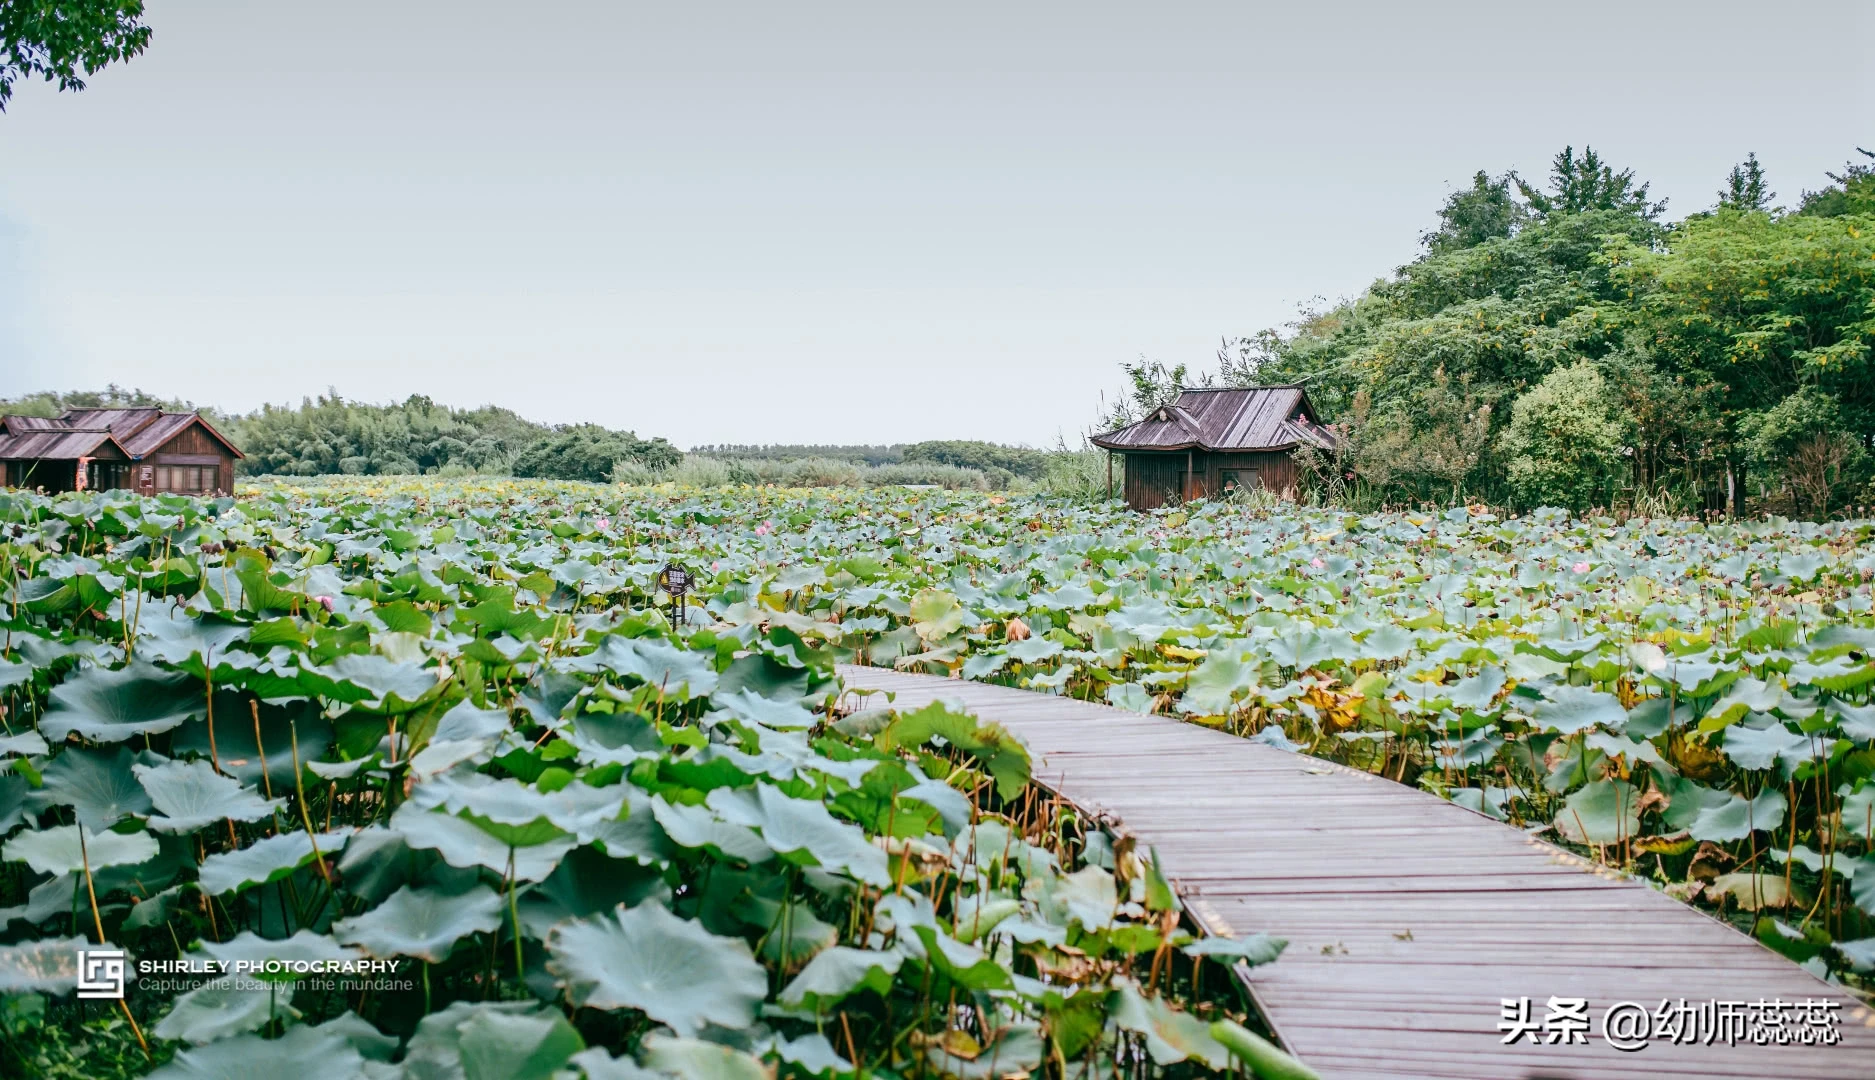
628, 471
698, 472
588, 452
1564, 441
923, 473
1082, 474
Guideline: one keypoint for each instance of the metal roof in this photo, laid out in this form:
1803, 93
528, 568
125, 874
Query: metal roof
1236, 418
135, 432
58, 444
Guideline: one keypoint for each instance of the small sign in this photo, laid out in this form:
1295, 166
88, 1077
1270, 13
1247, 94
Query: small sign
675, 580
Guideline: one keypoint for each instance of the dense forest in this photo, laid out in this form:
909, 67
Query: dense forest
1564, 344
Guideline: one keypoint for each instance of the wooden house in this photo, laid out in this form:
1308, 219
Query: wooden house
1210, 443
147, 450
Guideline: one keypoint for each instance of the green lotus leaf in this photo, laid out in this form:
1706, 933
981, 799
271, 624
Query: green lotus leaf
694, 1059
1253, 950
465, 843
1003, 756
373, 682
587, 882
174, 636
1736, 817
814, 1055
49, 965
1862, 883
965, 965
1015, 1050
1604, 812
1760, 748
215, 1012
12, 674
97, 784
1569, 709
424, 923
190, 794
435, 1048
24, 744
265, 861
1171, 1035
678, 673
302, 1053
596, 1064
671, 969
1087, 896
110, 706
1216, 686
60, 850
802, 831
779, 715
516, 1046
702, 827
1130, 696
241, 756
835, 974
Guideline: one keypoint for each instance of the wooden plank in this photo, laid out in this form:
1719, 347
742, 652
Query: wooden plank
1342, 863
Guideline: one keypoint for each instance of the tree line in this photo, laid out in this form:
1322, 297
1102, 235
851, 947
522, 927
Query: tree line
329, 435
1564, 344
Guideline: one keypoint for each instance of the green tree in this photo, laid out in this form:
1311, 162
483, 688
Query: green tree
63, 40
1485, 211
1745, 188
1578, 184
1852, 193
1564, 441
982, 456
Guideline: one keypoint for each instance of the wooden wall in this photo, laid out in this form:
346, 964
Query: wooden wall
1153, 479
192, 463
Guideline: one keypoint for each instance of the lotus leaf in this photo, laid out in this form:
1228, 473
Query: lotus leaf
189, 795
110, 706
424, 923
672, 969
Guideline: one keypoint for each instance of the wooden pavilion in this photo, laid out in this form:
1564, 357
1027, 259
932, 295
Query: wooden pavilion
147, 450
1210, 443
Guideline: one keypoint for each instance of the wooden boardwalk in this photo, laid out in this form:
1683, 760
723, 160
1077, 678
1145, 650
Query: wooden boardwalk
1409, 919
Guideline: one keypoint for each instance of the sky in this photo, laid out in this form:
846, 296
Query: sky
826, 223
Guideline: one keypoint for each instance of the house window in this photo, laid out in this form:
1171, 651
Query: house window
162, 478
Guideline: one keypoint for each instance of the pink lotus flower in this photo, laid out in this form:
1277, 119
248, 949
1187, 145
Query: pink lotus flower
762, 529
1317, 562
1580, 568
602, 523
324, 602
716, 565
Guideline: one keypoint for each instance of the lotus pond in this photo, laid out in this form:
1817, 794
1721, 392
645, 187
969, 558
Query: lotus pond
425, 775
446, 723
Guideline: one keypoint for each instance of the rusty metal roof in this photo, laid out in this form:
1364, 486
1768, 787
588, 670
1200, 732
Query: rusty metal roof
122, 423
64, 444
15, 424
1235, 418
134, 432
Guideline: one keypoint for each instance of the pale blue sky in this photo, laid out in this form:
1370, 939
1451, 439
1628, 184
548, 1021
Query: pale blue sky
817, 222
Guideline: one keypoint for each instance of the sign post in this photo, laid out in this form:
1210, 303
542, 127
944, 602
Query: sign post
675, 580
